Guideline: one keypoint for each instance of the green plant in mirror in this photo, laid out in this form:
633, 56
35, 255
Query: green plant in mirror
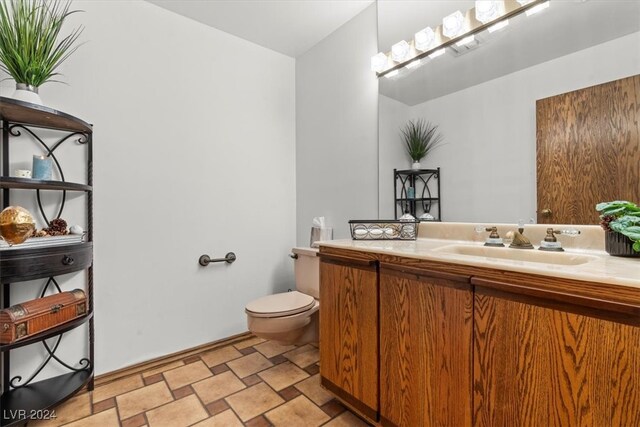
30, 51
623, 217
420, 138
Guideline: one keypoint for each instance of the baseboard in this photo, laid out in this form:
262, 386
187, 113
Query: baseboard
165, 360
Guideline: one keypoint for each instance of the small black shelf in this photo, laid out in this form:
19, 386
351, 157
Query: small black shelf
61, 329
424, 183
420, 199
16, 111
38, 184
40, 395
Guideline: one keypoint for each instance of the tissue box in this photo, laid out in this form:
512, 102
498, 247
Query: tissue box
384, 229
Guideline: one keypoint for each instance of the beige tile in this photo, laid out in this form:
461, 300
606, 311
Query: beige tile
108, 418
74, 409
248, 343
283, 375
254, 401
180, 413
250, 364
143, 399
346, 419
303, 356
187, 374
313, 390
217, 387
163, 368
272, 348
223, 419
117, 387
300, 412
221, 355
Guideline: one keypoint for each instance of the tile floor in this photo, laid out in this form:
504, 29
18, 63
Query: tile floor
252, 382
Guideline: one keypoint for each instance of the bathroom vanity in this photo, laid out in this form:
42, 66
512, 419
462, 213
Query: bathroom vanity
427, 332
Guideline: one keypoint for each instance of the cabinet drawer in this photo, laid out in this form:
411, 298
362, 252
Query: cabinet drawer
19, 265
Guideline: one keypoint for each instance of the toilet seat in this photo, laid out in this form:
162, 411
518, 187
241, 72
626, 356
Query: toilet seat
280, 305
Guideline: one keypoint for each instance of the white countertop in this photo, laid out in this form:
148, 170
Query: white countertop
602, 267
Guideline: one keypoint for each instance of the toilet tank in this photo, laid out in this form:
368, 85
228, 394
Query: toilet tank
307, 270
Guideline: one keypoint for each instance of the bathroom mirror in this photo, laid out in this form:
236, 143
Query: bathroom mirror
484, 100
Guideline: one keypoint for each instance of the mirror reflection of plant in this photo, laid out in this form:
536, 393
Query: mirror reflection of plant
623, 217
420, 138
29, 48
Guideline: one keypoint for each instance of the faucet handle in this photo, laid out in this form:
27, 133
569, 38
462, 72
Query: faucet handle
494, 238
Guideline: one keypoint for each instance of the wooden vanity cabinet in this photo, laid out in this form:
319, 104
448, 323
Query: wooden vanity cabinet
349, 330
425, 348
540, 363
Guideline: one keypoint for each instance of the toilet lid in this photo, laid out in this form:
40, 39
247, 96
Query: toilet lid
278, 305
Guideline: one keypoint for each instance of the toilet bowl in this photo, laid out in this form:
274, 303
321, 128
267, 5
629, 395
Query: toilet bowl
290, 317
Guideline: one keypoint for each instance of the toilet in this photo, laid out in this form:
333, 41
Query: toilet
290, 317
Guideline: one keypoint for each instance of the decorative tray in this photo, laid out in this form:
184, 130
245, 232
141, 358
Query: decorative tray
380, 229
38, 242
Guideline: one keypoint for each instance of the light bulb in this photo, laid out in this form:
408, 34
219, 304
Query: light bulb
453, 25
379, 62
400, 51
488, 10
425, 39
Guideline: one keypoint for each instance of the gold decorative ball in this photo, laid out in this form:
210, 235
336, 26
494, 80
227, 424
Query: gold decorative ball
16, 225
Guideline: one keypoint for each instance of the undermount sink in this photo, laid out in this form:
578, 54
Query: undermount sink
528, 255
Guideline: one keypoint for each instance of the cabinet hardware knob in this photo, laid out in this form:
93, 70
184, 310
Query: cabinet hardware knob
67, 260
546, 212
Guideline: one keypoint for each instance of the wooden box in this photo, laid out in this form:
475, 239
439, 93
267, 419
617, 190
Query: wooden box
33, 317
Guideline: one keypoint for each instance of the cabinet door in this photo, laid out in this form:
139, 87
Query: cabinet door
425, 349
349, 331
537, 366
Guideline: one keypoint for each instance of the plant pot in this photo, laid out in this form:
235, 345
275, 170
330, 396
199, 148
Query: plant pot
415, 165
617, 244
27, 93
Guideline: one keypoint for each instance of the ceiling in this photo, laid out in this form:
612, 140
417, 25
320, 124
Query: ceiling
290, 27
565, 27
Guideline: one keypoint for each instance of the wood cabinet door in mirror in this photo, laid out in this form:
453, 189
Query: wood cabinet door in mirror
537, 366
588, 151
425, 350
349, 331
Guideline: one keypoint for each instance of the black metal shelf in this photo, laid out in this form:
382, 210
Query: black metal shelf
419, 199
61, 329
16, 111
42, 395
38, 184
424, 183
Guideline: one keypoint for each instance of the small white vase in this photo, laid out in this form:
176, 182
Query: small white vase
415, 165
27, 93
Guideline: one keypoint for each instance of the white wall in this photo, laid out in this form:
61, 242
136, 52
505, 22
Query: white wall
194, 153
336, 128
489, 160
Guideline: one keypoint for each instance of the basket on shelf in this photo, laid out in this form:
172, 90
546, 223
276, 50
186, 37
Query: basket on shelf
384, 229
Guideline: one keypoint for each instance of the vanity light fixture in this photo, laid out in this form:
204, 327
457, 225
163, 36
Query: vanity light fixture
379, 62
400, 51
456, 30
453, 25
424, 39
488, 10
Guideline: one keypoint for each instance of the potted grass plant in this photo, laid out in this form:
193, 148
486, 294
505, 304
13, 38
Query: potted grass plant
420, 138
31, 46
621, 222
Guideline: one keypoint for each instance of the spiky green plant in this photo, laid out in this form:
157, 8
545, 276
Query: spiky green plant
420, 138
30, 51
